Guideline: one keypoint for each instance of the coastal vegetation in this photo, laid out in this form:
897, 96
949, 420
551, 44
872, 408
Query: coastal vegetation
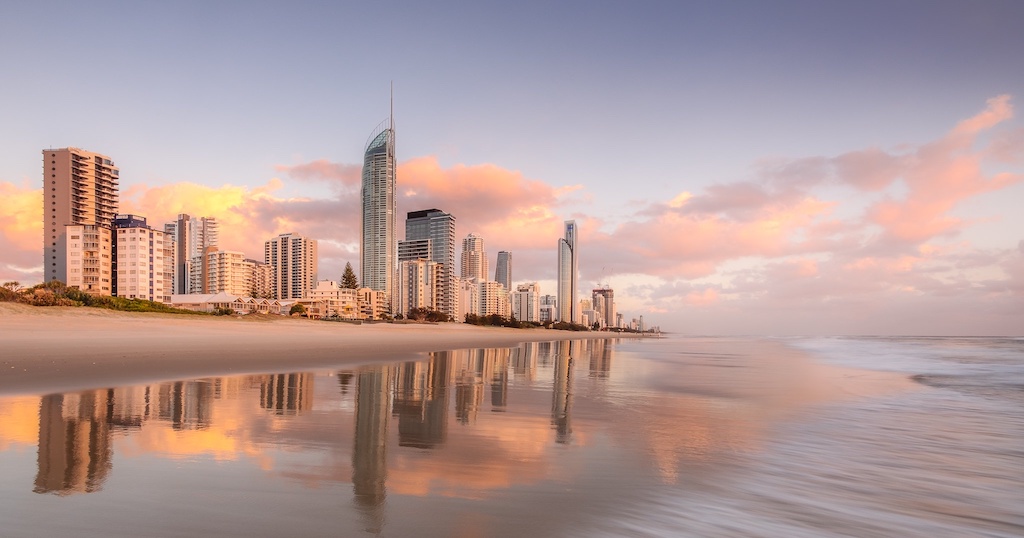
56, 293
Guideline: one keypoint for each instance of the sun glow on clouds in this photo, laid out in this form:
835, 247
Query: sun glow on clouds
862, 227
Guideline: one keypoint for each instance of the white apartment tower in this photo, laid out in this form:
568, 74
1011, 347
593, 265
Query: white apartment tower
526, 302
144, 261
419, 284
293, 261
80, 189
568, 274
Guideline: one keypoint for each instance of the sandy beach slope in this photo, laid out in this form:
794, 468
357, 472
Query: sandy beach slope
51, 349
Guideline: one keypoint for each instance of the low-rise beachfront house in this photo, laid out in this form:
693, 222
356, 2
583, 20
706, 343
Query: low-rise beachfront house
210, 302
337, 300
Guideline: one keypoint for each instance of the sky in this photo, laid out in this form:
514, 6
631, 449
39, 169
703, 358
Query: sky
741, 167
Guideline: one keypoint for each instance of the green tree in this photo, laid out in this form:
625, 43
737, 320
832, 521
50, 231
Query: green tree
348, 278
297, 309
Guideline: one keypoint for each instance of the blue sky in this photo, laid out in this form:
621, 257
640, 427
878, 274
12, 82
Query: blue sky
616, 108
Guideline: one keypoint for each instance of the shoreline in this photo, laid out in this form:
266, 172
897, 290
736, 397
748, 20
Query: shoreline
56, 349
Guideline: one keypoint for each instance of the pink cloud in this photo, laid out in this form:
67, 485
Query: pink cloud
998, 110
347, 175
940, 175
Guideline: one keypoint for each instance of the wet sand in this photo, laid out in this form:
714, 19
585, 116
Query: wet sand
49, 349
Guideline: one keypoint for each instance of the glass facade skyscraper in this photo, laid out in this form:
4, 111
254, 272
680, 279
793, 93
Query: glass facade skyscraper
432, 232
503, 269
379, 242
567, 274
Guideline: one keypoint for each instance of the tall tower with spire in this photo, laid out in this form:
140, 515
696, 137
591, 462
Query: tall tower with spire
568, 269
379, 242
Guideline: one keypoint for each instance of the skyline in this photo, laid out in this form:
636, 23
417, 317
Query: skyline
786, 169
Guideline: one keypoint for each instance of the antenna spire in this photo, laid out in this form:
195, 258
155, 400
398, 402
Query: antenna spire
392, 113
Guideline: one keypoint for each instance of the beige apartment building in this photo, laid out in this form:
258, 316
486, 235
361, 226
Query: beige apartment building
262, 279
222, 271
373, 304
335, 300
293, 262
80, 189
86, 259
526, 302
474, 258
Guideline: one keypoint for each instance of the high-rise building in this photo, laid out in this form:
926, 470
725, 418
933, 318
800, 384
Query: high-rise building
80, 188
548, 308
217, 271
88, 251
503, 269
604, 303
144, 260
293, 261
526, 302
493, 299
379, 243
191, 238
474, 258
262, 280
468, 298
418, 284
430, 234
568, 274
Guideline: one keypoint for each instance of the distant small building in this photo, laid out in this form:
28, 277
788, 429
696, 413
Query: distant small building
333, 300
211, 302
526, 302
373, 304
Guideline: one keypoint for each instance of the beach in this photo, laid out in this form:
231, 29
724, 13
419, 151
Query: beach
182, 426
66, 348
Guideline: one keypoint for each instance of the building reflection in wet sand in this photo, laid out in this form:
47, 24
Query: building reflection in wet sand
421, 401
287, 394
75, 444
369, 453
561, 398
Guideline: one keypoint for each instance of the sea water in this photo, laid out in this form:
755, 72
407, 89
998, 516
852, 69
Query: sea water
946, 460
650, 437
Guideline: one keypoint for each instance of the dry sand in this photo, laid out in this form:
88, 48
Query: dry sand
53, 349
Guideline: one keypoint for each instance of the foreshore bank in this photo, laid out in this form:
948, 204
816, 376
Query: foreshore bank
53, 349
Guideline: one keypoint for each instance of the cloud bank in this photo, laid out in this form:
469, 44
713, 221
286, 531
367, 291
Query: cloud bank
873, 240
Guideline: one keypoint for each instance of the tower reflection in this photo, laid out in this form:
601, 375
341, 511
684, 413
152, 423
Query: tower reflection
561, 405
600, 358
369, 454
187, 405
74, 443
287, 394
421, 401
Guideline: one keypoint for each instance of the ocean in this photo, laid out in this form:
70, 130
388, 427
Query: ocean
636, 437
946, 460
